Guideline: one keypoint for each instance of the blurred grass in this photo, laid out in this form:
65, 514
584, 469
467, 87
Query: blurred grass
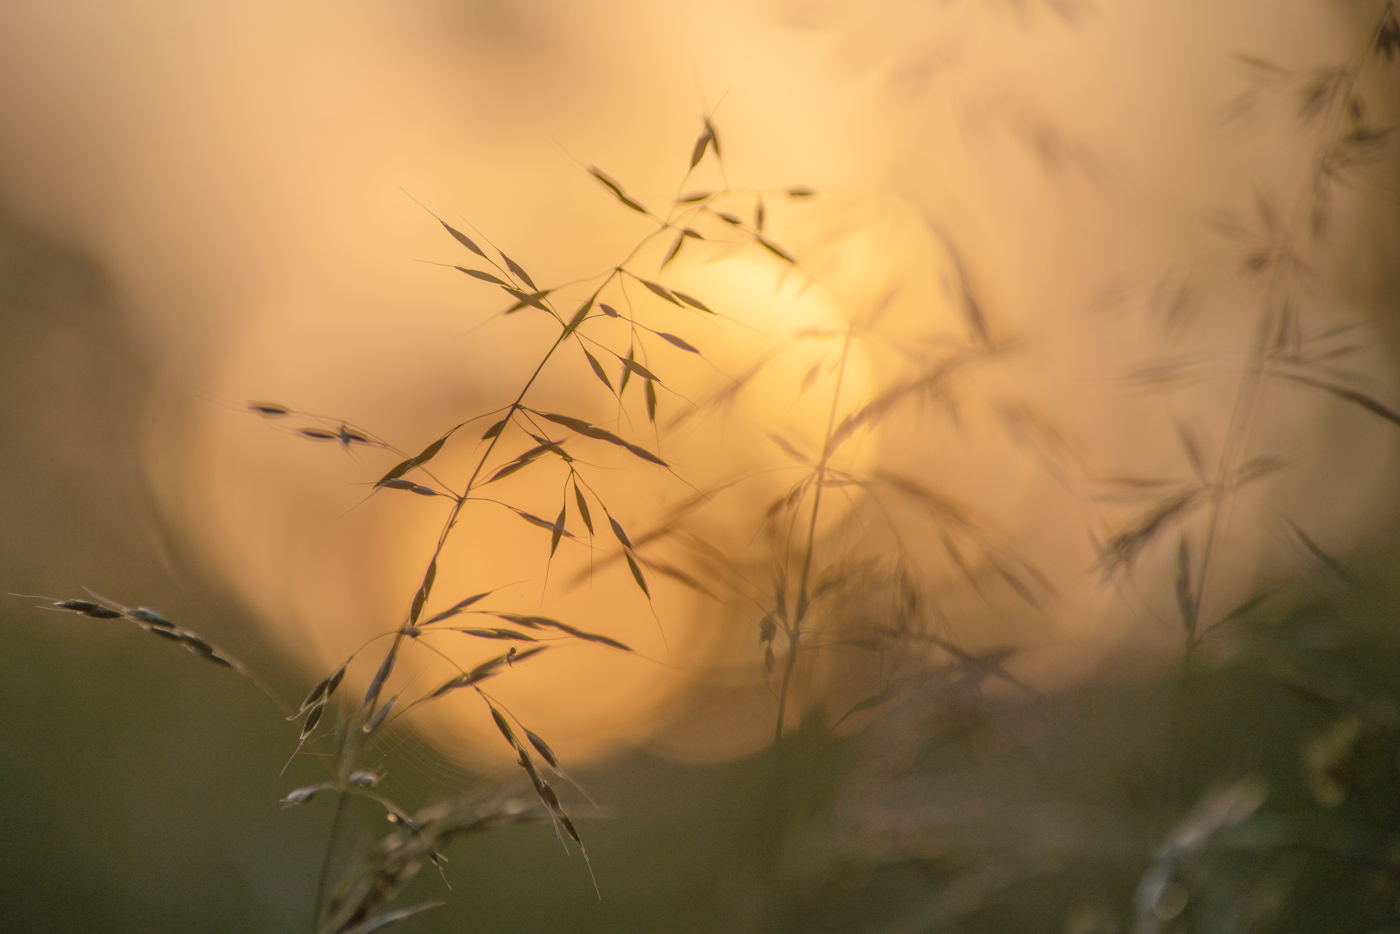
142, 786
142, 791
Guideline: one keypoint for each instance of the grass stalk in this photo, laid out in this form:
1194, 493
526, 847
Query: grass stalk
1270, 335
804, 582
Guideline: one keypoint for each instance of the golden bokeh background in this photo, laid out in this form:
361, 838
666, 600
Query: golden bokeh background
251, 176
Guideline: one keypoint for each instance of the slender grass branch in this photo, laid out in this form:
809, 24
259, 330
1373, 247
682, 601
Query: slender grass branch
1270, 329
804, 581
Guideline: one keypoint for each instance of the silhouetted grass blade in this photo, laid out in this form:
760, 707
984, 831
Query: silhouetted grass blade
519, 272
598, 370
691, 301
640, 370
558, 529
677, 341
483, 276
583, 508
616, 189
701, 144
659, 290
637, 574
463, 239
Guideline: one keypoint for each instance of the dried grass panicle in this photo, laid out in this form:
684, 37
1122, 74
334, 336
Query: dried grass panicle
150, 621
515, 441
519, 419
417, 840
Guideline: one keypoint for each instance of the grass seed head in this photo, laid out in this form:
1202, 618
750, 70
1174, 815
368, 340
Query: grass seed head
143, 614
87, 608
312, 718
380, 715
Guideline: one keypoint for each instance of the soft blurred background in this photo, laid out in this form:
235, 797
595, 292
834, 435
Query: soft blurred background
203, 205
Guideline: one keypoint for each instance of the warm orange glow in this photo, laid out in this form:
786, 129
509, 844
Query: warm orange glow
291, 525
252, 190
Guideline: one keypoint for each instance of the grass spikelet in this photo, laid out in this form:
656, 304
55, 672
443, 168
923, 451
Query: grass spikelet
598, 370
304, 794
459, 607
626, 372
533, 299
483, 276
637, 576
714, 137
312, 718
701, 144
581, 634
497, 634
579, 317
620, 533
321, 692
401, 484
555, 528
643, 453
677, 341
519, 272
462, 239
776, 250
674, 250
86, 608
583, 508
635, 367
692, 301
616, 189
558, 529
522, 619
381, 675
543, 749
577, 424
380, 715
659, 290
423, 592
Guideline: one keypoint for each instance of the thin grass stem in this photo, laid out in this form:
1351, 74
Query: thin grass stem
800, 611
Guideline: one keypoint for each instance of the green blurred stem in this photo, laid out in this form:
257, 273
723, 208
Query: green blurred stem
325, 872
